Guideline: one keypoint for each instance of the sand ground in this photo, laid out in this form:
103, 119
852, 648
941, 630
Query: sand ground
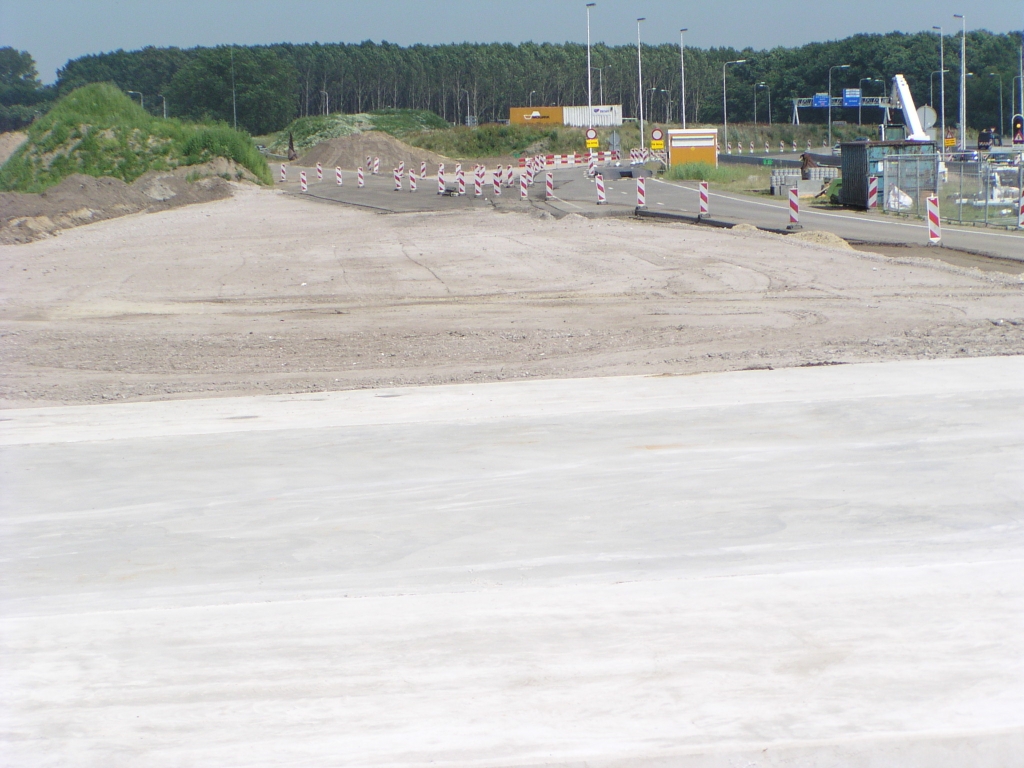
267, 293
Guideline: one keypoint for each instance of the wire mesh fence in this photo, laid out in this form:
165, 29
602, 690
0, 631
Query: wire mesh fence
970, 191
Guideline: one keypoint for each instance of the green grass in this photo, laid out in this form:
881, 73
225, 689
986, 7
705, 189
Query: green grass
97, 130
723, 174
500, 140
309, 131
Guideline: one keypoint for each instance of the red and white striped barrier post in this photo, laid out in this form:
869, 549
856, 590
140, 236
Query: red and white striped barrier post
808, 145
398, 181
872, 191
529, 175
412, 181
728, 147
751, 147
369, 163
703, 201
601, 197
302, 181
440, 179
319, 172
376, 166
766, 150
509, 177
794, 208
641, 192
739, 147
782, 147
401, 167
360, 181
934, 224
523, 190
549, 186
284, 173
478, 182
423, 169
496, 181
337, 175
1020, 212
460, 179
794, 145
591, 165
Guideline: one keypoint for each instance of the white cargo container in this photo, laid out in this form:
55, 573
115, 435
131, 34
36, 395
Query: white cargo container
602, 116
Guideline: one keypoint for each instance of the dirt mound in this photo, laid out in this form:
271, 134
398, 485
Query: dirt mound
349, 152
9, 143
81, 199
822, 238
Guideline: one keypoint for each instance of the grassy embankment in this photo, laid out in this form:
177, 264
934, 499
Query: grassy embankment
97, 130
310, 131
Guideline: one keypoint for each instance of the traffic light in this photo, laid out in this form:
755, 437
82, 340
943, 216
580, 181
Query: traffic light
1018, 129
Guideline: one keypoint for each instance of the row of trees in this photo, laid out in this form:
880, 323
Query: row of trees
264, 87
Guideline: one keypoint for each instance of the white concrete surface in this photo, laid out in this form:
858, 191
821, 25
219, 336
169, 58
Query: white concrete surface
813, 567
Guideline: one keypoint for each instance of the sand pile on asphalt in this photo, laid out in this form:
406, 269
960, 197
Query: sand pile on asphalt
81, 199
818, 237
9, 143
349, 152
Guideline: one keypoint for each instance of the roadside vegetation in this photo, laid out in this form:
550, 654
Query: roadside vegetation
309, 131
97, 130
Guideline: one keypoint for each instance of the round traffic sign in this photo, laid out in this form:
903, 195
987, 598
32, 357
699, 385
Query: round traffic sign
591, 133
657, 134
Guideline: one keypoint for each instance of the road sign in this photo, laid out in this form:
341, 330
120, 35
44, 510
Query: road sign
851, 97
593, 143
1018, 129
767, 161
591, 133
657, 135
820, 100
950, 142
655, 144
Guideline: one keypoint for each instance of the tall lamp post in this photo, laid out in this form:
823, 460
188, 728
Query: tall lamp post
668, 106
860, 103
1001, 123
600, 82
590, 74
725, 103
165, 103
837, 66
531, 97
942, 92
682, 79
142, 102
963, 82
758, 86
640, 79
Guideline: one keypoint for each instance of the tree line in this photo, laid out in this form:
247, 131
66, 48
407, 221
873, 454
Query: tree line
265, 87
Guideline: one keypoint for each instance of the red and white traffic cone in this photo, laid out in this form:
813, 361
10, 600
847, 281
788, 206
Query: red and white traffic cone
319, 172
337, 174
440, 179
496, 181
794, 209
302, 181
523, 191
872, 191
641, 192
412, 181
549, 186
601, 197
376, 166
398, 181
284, 173
934, 223
360, 181
703, 201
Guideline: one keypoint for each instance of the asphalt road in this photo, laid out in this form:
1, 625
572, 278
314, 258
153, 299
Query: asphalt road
575, 193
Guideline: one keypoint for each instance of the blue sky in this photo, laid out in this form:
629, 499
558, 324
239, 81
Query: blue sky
54, 31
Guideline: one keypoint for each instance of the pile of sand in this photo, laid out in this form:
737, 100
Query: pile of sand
81, 199
9, 143
819, 237
349, 152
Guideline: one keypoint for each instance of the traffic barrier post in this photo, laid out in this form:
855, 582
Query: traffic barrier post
337, 174
412, 181
641, 192
302, 181
794, 208
376, 166
319, 172
360, 181
496, 181
934, 223
602, 199
284, 173
440, 179
872, 191
398, 181
523, 190
703, 201
549, 186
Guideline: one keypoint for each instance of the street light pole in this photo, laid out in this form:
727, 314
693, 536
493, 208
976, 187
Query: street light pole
668, 103
682, 79
860, 103
725, 103
640, 79
327, 101
165, 104
942, 93
590, 74
837, 66
963, 82
531, 98
142, 101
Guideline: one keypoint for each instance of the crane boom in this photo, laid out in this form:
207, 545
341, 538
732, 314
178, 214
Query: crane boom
901, 96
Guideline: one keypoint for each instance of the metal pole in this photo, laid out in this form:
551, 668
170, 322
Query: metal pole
942, 94
234, 104
963, 82
590, 74
755, 104
769, 89
725, 104
837, 66
682, 79
640, 79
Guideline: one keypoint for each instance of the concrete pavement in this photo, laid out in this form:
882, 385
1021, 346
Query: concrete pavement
817, 566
